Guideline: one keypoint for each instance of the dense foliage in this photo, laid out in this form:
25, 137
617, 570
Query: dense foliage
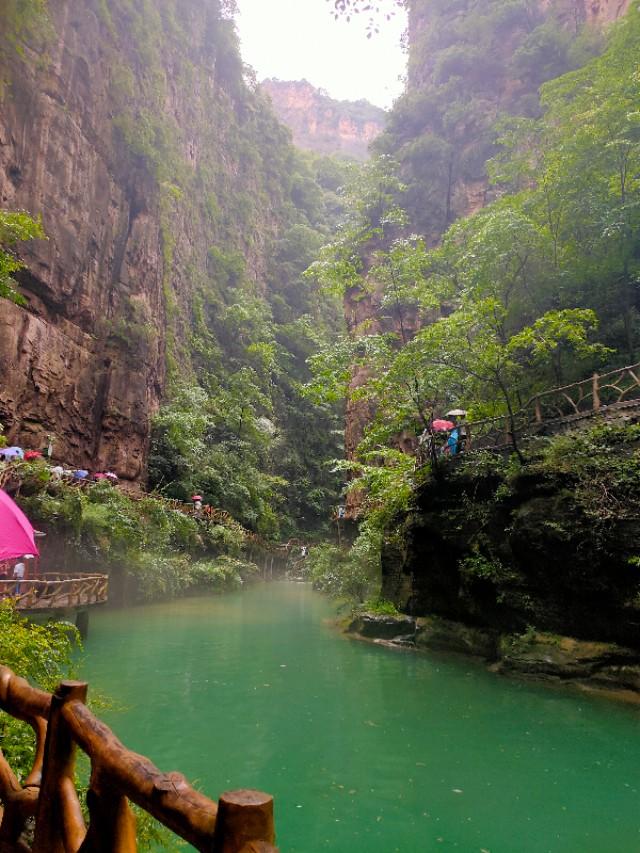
235, 426
537, 289
43, 655
471, 63
241, 433
551, 543
150, 549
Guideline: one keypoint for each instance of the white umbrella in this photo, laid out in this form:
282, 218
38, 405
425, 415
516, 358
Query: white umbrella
456, 413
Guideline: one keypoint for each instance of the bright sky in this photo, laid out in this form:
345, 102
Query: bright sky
299, 39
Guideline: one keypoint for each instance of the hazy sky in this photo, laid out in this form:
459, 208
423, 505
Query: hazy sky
295, 39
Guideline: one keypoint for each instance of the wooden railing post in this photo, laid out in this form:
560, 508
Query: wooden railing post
18, 805
59, 823
112, 828
596, 393
538, 410
244, 818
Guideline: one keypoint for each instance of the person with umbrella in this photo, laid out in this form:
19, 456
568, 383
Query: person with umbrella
456, 415
197, 505
441, 425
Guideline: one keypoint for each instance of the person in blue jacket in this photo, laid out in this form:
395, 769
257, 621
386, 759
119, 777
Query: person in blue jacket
452, 441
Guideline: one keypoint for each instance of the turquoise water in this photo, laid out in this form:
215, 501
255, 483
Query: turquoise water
366, 749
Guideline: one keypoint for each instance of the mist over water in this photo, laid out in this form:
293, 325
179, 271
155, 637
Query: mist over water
365, 748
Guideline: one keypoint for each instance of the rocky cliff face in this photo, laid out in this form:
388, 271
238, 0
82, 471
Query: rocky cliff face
598, 12
441, 48
129, 134
63, 371
506, 552
320, 123
571, 13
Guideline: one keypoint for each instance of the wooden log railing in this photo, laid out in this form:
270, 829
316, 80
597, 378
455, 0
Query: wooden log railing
553, 409
54, 591
241, 822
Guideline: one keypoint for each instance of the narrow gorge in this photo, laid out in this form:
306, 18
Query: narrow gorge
326, 418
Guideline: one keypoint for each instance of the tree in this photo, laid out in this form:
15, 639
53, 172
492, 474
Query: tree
377, 11
14, 228
490, 369
581, 163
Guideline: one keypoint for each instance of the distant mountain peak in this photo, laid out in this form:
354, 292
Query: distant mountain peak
321, 123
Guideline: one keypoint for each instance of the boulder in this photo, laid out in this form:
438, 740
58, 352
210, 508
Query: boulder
375, 626
446, 635
564, 658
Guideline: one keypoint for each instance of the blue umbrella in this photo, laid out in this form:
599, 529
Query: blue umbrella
12, 452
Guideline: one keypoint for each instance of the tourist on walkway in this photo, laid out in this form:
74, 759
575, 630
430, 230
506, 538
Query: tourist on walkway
452, 441
18, 574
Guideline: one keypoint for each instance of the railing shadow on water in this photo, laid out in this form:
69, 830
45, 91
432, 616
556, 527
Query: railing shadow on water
241, 821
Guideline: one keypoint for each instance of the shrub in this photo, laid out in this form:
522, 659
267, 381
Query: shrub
42, 655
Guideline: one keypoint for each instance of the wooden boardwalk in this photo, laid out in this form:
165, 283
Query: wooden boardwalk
56, 591
611, 396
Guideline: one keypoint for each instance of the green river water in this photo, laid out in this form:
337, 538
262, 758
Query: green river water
366, 749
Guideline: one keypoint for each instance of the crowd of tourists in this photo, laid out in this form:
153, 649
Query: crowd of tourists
59, 472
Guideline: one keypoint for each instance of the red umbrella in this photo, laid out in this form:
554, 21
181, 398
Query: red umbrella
442, 426
16, 533
32, 454
196, 497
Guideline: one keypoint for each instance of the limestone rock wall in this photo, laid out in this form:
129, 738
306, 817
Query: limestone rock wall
320, 123
62, 371
573, 13
91, 126
505, 558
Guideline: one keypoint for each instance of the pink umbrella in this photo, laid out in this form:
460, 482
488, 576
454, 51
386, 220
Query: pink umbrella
442, 426
16, 533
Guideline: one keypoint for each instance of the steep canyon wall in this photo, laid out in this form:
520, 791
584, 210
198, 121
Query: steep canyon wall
131, 132
486, 60
62, 371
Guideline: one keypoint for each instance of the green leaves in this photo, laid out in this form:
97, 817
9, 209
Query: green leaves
568, 329
15, 227
41, 654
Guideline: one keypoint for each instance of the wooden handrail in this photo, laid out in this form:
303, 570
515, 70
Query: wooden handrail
56, 591
242, 821
621, 387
